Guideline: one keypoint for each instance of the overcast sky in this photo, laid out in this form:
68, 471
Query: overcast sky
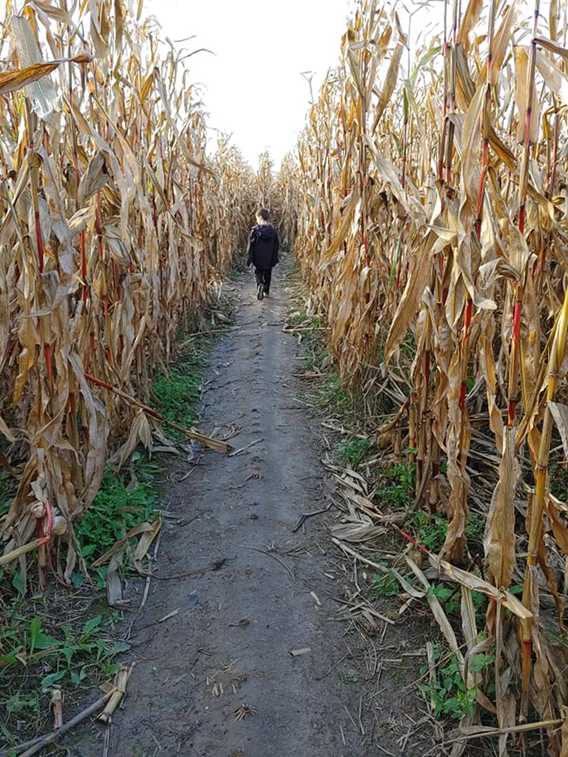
253, 84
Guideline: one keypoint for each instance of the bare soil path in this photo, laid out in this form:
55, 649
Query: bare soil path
242, 589
245, 592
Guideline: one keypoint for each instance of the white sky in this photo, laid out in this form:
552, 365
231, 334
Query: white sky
253, 88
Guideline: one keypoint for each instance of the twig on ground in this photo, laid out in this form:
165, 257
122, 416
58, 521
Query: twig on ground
171, 614
117, 693
213, 566
304, 516
386, 751
49, 738
478, 732
106, 746
248, 446
359, 557
274, 557
333, 667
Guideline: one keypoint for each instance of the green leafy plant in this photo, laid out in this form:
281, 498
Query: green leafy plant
115, 510
397, 487
448, 693
22, 705
384, 585
37, 654
450, 598
353, 451
475, 527
333, 396
316, 357
430, 530
70, 654
177, 391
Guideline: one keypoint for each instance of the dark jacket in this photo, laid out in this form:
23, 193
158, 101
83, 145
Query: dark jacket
263, 246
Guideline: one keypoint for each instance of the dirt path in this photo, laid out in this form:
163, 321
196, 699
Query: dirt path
249, 590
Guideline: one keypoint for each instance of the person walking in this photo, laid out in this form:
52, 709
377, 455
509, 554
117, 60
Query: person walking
263, 251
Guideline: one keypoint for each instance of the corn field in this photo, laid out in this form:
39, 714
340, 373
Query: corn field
115, 226
428, 205
430, 200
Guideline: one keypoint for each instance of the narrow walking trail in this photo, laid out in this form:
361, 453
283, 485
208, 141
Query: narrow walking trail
217, 679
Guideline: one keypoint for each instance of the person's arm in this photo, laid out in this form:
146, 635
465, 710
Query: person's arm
275, 249
250, 250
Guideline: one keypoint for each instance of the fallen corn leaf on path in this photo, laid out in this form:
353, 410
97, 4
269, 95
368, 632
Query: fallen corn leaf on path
239, 652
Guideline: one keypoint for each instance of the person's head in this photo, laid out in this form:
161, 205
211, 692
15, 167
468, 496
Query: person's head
262, 216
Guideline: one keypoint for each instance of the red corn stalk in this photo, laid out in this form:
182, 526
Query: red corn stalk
39, 241
83, 256
467, 316
34, 182
48, 354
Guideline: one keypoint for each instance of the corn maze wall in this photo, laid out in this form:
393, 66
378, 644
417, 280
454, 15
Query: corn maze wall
431, 199
114, 227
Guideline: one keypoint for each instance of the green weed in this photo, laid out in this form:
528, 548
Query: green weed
22, 705
448, 596
353, 451
115, 510
177, 391
448, 692
384, 585
398, 486
431, 530
450, 599
333, 396
297, 318
316, 357
35, 658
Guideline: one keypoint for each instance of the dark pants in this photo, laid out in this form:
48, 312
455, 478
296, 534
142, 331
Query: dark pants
263, 276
